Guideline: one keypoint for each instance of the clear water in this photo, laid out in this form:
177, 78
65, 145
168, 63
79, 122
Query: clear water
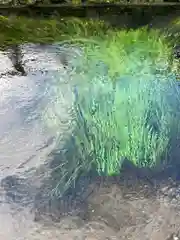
25, 103
28, 134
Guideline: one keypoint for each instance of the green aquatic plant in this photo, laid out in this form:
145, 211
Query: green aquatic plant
122, 120
116, 122
121, 108
127, 119
95, 139
20, 30
135, 52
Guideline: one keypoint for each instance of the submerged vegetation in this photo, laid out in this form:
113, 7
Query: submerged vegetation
132, 52
124, 113
20, 30
129, 108
129, 105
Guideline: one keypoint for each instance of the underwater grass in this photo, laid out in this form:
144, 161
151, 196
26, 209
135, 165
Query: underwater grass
133, 52
123, 121
133, 120
19, 30
122, 111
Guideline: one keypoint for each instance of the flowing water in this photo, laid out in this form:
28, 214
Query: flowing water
130, 207
26, 138
24, 102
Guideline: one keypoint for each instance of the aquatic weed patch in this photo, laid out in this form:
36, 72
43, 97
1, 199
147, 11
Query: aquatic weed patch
126, 117
123, 110
123, 121
134, 51
18, 30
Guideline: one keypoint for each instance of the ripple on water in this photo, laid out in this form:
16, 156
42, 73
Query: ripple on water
25, 101
26, 137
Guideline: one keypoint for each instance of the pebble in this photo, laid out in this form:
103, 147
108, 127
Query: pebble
172, 193
174, 201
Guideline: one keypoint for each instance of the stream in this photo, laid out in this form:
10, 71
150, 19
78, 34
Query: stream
129, 207
26, 138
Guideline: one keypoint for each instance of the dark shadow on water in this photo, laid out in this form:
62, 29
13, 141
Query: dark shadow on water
15, 56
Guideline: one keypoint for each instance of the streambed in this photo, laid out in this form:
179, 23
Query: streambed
130, 207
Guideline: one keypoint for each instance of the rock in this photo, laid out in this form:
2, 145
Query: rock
171, 193
174, 201
164, 190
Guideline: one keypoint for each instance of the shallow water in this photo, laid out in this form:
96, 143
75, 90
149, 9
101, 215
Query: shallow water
26, 137
130, 207
23, 103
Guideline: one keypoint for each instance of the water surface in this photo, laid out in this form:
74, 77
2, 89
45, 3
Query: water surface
130, 207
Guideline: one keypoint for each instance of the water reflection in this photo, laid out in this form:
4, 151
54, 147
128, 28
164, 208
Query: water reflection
25, 100
15, 55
